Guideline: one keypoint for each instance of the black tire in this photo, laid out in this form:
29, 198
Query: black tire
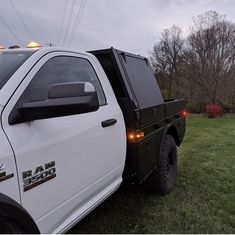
163, 179
9, 227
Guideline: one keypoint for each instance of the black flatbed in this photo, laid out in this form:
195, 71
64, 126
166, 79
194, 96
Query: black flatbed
144, 109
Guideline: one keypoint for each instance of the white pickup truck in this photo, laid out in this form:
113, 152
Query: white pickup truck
73, 125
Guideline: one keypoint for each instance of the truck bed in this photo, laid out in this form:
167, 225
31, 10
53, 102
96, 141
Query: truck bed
143, 107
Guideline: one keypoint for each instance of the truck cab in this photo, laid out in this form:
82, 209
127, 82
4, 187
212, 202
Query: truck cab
61, 164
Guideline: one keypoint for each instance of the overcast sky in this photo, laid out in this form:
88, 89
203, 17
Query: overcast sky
131, 25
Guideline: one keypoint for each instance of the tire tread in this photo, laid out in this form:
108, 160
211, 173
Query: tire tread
159, 181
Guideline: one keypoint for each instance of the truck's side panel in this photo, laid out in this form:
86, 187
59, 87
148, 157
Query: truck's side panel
88, 159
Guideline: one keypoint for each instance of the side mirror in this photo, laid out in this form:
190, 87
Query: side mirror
63, 100
76, 89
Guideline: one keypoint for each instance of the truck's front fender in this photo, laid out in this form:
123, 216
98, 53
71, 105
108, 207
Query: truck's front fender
12, 210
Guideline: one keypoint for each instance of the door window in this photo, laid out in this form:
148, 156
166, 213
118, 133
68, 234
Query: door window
62, 69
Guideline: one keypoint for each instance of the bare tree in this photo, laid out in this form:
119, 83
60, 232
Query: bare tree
210, 57
165, 59
201, 68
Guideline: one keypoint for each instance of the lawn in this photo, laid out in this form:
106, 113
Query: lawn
203, 200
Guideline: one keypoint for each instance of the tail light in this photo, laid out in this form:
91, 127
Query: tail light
184, 113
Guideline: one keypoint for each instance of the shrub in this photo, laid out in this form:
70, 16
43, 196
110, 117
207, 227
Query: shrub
214, 110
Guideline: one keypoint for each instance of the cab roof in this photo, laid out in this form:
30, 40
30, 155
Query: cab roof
43, 49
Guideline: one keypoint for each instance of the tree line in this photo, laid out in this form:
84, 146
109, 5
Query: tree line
199, 67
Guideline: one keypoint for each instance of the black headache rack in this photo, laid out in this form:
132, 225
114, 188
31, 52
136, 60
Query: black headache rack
143, 107
134, 85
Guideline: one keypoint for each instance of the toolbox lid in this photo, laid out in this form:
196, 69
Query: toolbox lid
142, 79
134, 74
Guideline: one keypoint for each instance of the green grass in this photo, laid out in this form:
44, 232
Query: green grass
203, 200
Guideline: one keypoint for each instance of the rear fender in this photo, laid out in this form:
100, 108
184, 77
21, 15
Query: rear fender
173, 131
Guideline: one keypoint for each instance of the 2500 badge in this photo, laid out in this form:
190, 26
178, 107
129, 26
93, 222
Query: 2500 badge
39, 176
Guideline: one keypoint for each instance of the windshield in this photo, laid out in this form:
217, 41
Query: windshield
10, 61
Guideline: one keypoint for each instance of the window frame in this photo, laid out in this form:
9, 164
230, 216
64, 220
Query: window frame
76, 57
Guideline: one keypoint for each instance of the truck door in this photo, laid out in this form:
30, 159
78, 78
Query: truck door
64, 162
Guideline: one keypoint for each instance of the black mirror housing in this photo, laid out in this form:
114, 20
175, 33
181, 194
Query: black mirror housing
63, 100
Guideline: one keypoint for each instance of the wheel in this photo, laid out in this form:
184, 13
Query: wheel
163, 178
9, 227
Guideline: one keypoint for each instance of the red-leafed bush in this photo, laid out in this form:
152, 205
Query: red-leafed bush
214, 110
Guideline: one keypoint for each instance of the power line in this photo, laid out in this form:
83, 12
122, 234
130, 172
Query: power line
84, 5
62, 22
11, 32
77, 21
21, 20
69, 22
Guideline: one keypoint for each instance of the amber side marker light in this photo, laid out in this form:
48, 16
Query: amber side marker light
184, 113
34, 45
134, 136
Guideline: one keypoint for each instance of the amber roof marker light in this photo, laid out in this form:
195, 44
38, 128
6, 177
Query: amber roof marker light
34, 45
